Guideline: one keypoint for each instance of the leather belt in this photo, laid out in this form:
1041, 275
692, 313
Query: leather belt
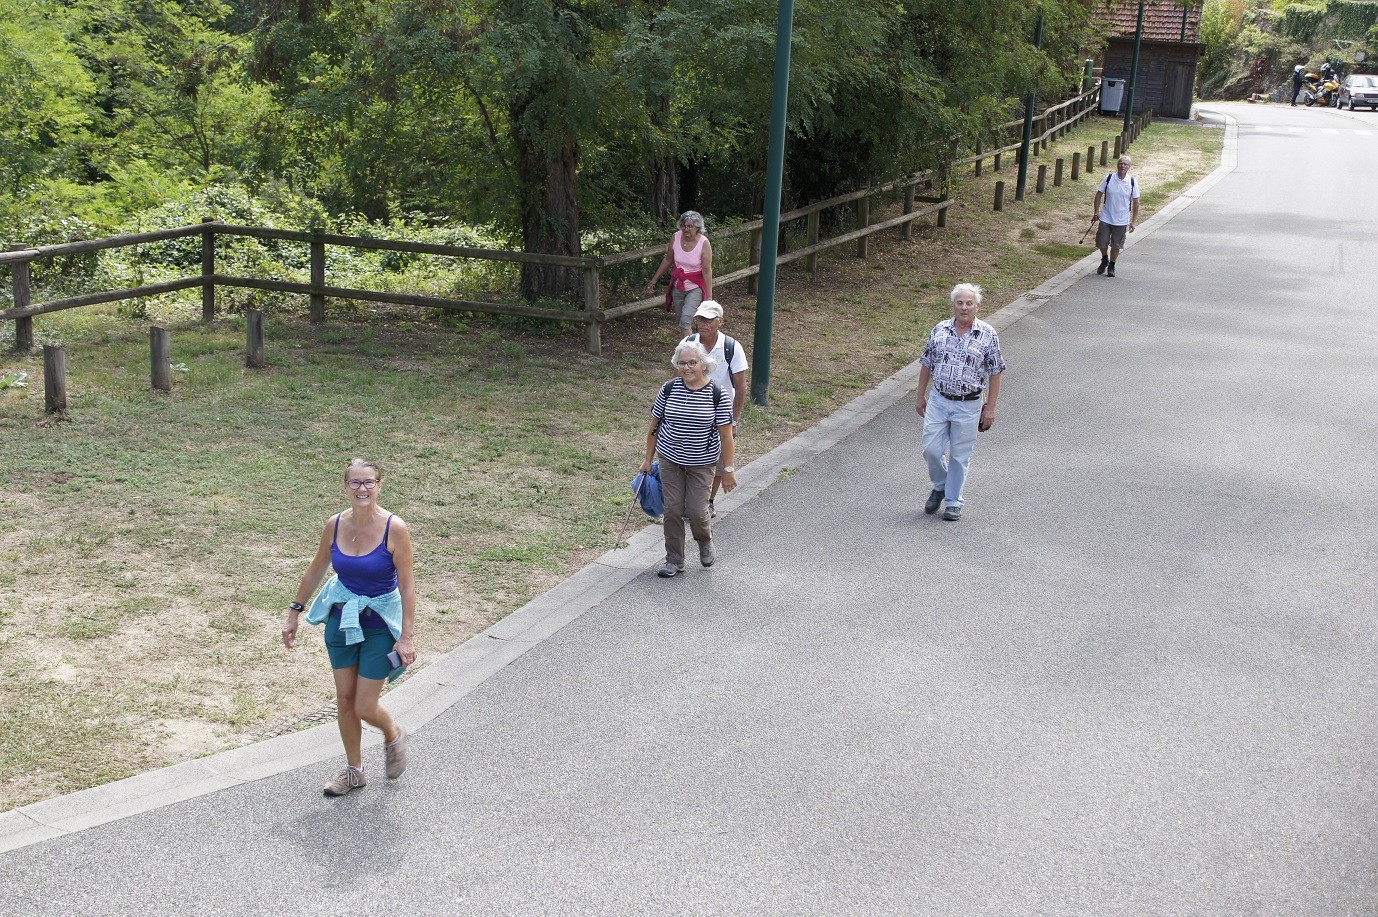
968, 397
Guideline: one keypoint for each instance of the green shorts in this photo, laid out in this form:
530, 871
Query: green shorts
371, 655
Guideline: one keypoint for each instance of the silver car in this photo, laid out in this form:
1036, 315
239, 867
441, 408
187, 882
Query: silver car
1358, 89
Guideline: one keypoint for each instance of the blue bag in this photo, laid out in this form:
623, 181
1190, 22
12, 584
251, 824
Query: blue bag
647, 486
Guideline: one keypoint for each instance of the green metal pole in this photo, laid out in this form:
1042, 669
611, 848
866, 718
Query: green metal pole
1029, 103
1133, 71
770, 232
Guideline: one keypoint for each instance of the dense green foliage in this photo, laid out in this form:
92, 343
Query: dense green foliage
551, 122
1282, 33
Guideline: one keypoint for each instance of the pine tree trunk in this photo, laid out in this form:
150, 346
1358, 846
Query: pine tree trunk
547, 160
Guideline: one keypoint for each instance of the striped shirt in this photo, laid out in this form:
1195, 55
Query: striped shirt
689, 422
961, 363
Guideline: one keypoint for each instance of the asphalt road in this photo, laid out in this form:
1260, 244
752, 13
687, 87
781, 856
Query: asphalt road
1137, 678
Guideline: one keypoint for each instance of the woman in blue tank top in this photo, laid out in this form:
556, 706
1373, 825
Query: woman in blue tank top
369, 611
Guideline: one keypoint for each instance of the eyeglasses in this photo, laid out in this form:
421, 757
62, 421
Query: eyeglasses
687, 363
366, 485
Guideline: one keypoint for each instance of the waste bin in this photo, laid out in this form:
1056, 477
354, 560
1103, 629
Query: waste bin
1111, 96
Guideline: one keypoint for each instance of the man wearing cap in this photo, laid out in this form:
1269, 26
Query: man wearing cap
963, 361
729, 372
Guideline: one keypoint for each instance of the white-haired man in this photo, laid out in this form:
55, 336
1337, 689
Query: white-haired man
1117, 208
963, 361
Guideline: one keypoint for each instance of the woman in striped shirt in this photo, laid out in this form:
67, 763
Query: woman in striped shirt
691, 426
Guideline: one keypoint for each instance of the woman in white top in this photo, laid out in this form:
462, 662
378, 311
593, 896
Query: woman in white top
690, 254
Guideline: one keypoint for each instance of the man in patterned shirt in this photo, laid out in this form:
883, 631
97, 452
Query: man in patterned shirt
961, 359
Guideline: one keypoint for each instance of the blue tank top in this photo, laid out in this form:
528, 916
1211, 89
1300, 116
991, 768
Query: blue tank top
368, 574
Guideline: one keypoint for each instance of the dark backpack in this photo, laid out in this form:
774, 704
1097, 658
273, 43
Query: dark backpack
1132, 187
729, 348
718, 393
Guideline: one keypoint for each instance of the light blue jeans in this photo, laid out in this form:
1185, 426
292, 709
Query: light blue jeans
949, 426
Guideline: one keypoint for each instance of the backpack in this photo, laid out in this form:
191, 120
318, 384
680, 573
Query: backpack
729, 348
1132, 187
718, 393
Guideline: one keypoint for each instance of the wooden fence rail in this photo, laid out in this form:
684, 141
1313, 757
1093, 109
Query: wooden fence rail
1054, 122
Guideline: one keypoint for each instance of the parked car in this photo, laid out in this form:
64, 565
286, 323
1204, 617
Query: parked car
1359, 89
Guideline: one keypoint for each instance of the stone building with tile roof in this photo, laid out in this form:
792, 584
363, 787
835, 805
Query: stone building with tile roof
1167, 56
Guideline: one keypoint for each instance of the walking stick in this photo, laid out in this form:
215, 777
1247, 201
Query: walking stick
635, 497
1088, 230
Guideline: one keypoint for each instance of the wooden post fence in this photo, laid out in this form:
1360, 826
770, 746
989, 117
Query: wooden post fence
999, 195
907, 232
54, 379
863, 219
594, 331
1057, 172
753, 258
317, 307
1103, 145
811, 262
1076, 165
160, 358
23, 327
207, 271
1042, 179
253, 326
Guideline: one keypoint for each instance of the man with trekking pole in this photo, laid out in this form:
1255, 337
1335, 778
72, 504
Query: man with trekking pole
1117, 206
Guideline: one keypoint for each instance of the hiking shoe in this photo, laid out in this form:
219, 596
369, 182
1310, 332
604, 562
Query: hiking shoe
935, 500
706, 555
1110, 271
952, 514
1104, 263
395, 754
346, 780
712, 513
668, 570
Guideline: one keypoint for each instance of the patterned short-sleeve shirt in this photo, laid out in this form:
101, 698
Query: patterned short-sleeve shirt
961, 363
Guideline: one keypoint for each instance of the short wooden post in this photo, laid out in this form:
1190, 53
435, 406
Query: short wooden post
54, 379
254, 332
999, 195
317, 277
863, 219
1119, 139
1104, 144
980, 157
1042, 179
943, 187
160, 358
1090, 159
592, 310
1057, 172
907, 232
23, 297
207, 270
811, 262
754, 256
997, 160
1076, 165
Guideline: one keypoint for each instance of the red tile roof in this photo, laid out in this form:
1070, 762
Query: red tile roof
1162, 20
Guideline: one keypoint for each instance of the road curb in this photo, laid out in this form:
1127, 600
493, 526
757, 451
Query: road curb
452, 677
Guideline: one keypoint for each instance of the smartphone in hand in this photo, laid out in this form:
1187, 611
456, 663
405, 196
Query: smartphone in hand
395, 659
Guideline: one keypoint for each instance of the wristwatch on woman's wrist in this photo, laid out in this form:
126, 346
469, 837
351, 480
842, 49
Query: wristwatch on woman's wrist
728, 469
295, 606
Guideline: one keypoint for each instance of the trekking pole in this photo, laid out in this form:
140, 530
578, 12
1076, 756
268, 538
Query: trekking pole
635, 497
1088, 230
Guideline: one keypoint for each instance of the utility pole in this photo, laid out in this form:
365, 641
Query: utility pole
1134, 71
770, 231
1029, 103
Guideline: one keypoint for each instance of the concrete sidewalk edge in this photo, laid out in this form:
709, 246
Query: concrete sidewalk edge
433, 690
